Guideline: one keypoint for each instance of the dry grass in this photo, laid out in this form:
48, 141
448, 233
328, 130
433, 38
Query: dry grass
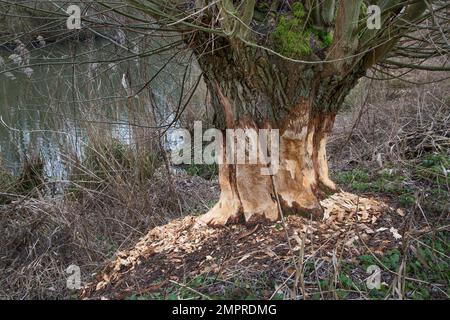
114, 203
389, 121
113, 198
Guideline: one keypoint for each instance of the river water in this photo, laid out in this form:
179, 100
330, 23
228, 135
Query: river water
44, 108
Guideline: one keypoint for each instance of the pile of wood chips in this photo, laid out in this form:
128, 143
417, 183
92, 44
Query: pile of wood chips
186, 248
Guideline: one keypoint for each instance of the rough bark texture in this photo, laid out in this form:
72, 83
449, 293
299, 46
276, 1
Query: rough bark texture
252, 90
247, 49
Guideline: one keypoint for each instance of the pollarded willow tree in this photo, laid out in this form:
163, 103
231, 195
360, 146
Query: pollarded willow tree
289, 65
280, 64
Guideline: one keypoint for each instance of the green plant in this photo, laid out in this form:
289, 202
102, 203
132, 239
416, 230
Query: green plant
434, 168
348, 177
290, 37
206, 171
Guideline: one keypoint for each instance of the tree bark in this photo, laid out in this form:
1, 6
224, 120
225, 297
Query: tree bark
267, 92
253, 83
301, 180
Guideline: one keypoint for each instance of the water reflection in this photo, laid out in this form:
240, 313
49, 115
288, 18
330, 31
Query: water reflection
43, 110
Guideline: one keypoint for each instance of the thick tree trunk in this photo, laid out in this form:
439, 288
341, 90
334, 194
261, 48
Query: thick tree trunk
298, 184
253, 90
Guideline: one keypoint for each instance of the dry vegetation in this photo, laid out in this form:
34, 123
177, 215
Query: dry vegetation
41, 237
390, 142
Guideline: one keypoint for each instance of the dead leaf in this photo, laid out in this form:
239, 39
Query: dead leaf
395, 233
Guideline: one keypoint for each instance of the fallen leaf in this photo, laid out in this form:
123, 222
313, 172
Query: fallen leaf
395, 233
